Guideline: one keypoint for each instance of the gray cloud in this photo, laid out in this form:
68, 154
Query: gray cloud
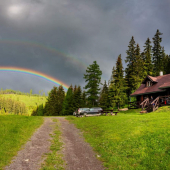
81, 31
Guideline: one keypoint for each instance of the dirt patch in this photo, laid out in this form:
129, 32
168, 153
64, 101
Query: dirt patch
30, 158
77, 153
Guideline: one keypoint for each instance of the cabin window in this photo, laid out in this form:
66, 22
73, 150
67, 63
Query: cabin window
148, 84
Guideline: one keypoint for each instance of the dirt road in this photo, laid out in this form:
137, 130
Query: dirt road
77, 153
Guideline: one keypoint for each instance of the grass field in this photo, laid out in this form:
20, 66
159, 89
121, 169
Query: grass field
130, 140
14, 132
31, 102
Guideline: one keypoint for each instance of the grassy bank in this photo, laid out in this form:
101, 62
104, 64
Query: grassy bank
54, 159
14, 132
129, 140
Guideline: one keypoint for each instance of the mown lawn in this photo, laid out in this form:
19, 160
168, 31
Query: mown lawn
14, 132
130, 140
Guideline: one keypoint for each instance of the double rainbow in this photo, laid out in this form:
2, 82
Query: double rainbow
35, 73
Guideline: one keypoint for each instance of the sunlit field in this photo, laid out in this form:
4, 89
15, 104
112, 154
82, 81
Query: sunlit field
31, 102
14, 132
129, 140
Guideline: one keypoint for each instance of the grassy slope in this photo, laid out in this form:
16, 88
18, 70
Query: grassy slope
14, 132
30, 101
131, 140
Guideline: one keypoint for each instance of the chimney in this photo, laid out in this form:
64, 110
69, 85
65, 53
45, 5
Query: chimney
161, 73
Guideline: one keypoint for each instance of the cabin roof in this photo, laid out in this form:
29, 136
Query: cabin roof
153, 79
159, 85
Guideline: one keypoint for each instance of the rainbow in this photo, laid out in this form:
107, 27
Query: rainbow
34, 73
44, 47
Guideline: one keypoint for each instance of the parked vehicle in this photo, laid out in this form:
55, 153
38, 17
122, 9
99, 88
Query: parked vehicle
92, 111
99, 108
78, 112
74, 113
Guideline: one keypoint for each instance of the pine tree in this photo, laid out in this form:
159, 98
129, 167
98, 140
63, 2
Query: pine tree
130, 59
118, 87
74, 104
104, 97
138, 73
93, 78
147, 58
60, 100
52, 100
84, 102
157, 54
68, 102
166, 63
40, 110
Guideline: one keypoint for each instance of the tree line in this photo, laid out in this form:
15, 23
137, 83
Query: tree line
10, 91
115, 92
10, 106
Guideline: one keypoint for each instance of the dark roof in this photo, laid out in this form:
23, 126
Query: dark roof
153, 79
160, 82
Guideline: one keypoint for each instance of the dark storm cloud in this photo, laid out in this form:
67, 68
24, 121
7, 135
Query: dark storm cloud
81, 29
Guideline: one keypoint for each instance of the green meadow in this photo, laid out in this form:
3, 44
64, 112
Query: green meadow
15, 130
129, 140
31, 101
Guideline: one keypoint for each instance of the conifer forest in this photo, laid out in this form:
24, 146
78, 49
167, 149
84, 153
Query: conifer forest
116, 91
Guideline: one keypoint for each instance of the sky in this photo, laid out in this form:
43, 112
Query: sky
61, 38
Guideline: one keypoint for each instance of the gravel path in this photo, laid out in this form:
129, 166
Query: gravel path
77, 153
30, 158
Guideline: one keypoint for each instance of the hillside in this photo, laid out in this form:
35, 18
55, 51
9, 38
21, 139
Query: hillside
30, 101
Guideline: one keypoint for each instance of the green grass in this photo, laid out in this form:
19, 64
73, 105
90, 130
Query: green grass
14, 132
54, 159
130, 140
31, 102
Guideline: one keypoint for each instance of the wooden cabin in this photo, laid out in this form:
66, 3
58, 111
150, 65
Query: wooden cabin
154, 91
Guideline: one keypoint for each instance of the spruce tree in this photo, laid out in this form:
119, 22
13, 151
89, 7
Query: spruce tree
74, 102
138, 73
147, 58
118, 87
104, 97
60, 100
51, 104
130, 59
157, 54
166, 63
40, 110
84, 102
93, 78
68, 102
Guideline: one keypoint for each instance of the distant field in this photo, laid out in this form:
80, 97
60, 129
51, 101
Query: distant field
31, 101
14, 132
129, 140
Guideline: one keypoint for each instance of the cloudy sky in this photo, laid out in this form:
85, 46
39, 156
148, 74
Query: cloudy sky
61, 38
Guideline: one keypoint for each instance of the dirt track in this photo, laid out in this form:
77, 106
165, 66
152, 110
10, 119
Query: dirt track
77, 153
30, 158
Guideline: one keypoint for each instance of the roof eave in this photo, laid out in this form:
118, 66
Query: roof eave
164, 87
146, 93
